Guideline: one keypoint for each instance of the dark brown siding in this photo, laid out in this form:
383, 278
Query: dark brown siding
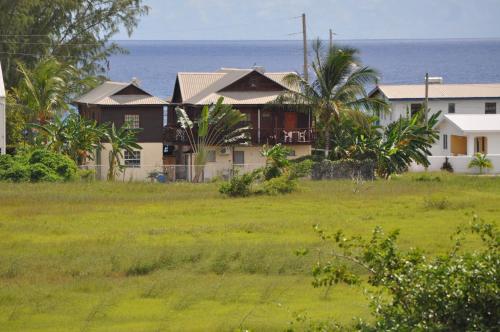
150, 119
254, 82
132, 90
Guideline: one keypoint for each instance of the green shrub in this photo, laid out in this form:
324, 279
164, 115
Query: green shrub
37, 165
301, 169
427, 178
87, 175
280, 185
240, 185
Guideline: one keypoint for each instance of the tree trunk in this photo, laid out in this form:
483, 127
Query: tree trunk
326, 136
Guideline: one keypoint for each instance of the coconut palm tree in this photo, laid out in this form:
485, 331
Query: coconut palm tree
120, 139
339, 86
218, 125
45, 90
480, 161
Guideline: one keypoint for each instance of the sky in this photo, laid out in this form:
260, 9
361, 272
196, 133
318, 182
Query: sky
350, 19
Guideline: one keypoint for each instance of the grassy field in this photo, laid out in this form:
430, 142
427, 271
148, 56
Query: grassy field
151, 257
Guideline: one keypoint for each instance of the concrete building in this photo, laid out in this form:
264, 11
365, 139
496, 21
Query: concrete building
3, 130
468, 123
127, 104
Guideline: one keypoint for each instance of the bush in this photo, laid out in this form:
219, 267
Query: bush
280, 185
301, 169
240, 185
344, 169
447, 166
37, 165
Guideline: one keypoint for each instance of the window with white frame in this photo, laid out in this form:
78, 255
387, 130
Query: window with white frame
211, 158
132, 159
239, 157
132, 121
445, 142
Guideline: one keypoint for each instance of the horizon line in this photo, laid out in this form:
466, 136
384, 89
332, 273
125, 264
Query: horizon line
337, 39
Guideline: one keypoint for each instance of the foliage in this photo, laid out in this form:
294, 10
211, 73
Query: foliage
344, 169
72, 135
282, 184
120, 139
447, 165
218, 125
240, 185
301, 169
339, 87
37, 165
456, 291
405, 141
481, 162
276, 160
77, 32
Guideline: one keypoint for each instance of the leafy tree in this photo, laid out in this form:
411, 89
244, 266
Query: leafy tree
119, 139
77, 32
218, 125
338, 87
481, 162
455, 291
72, 135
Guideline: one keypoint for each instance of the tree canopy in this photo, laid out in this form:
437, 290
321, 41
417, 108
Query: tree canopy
76, 31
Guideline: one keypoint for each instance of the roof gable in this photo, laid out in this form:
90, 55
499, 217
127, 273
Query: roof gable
118, 93
253, 81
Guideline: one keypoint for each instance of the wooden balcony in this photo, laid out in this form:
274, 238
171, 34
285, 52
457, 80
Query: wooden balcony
176, 135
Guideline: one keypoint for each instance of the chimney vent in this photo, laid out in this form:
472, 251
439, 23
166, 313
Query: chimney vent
260, 69
435, 80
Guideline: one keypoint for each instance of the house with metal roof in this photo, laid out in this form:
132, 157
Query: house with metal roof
3, 130
127, 104
469, 122
252, 91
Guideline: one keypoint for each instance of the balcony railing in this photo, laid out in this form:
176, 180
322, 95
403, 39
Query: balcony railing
261, 136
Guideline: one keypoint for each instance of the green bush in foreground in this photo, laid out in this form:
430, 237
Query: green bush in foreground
239, 185
37, 165
457, 291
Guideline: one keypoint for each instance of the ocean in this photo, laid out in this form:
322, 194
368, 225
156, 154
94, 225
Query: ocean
156, 63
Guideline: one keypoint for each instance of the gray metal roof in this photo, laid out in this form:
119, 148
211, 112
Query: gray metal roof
203, 88
106, 94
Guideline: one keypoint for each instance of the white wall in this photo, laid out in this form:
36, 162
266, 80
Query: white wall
472, 106
459, 163
3, 131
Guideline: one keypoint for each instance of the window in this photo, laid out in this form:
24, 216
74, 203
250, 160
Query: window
132, 121
445, 142
239, 157
415, 108
165, 115
132, 160
480, 144
451, 108
490, 108
211, 156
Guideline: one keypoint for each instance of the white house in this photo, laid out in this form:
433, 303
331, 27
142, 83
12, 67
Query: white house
468, 123
3, 131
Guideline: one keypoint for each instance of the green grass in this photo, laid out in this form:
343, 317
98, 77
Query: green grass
151, 257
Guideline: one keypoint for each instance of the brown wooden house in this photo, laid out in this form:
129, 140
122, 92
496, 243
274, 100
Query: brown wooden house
252, 91
127, 103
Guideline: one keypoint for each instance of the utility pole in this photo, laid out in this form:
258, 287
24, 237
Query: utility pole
304, 35
331, 38
426, 102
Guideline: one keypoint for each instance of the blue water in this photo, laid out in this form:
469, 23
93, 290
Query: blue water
156, 63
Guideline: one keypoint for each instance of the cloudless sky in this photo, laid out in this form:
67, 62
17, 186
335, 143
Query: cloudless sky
350, 19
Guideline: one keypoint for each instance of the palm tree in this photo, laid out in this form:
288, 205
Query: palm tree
480, 161
218, 125
120, 139
45, 90
338, 87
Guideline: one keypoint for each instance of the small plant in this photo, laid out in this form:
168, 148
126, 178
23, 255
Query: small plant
437, 203
276, 160
280, 185
481, 162
427, 178
240, 185
447, 166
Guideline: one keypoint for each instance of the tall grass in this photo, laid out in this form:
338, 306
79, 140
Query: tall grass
147, 257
